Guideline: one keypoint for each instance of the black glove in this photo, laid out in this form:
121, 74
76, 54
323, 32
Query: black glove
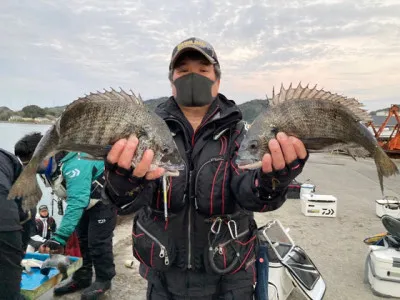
276, 181
121, 187
54, 246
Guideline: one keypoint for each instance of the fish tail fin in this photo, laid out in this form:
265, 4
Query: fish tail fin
27, 188
385, 166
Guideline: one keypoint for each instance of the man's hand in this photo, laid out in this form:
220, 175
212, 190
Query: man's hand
43, 249
53, 247
286, 162
284, 150
122, 153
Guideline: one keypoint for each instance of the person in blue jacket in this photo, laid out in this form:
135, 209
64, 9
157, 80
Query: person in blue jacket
79, 182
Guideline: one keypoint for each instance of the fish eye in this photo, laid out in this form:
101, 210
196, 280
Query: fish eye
165, 150
253, 145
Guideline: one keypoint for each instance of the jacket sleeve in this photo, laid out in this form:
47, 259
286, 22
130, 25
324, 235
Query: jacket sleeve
127, 192
37, 228
9, 217
54, 226
247, 193
129, 202
78, 178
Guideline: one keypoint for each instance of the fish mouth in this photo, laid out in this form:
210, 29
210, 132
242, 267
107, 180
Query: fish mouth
247, 160
249, 164
173, 170
170, 169
174, 173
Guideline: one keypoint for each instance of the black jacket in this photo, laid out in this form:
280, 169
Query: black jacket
51, 227
211, 186
10, 169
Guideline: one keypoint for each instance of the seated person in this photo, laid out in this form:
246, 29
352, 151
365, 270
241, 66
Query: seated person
45, 227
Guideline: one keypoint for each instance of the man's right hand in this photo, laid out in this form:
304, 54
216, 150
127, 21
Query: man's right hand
122, 153
122, 184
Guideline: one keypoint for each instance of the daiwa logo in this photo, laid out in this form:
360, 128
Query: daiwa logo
101, 221
73, 173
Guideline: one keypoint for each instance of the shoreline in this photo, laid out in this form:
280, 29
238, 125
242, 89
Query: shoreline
27, 122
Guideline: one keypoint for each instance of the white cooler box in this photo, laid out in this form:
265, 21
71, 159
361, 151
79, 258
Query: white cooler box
280, 284
306, 188
382, 271
315, 205
388, 206
289, 266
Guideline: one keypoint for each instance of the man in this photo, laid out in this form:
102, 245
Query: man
78, 179
206, 248
45, 227
11, 216
45, 224
94, 223
23, 150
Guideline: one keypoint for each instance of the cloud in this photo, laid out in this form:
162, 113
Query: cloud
54, 52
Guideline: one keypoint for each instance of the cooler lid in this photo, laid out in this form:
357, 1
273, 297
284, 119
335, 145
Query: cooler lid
308, 186
386, 255
387, 201
320, 198
298, 265
305, 274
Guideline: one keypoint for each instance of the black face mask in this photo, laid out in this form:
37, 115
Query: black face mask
193, 90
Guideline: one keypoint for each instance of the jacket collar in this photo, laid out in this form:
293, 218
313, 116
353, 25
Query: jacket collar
222, 113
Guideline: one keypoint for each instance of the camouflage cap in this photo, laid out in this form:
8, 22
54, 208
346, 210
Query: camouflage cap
197, 44
43, 207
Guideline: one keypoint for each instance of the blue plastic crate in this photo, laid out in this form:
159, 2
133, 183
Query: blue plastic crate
35, 284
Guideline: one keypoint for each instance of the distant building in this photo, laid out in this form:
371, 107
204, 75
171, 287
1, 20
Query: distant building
42, 120
16, 118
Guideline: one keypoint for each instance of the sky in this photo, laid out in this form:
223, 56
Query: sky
53, 52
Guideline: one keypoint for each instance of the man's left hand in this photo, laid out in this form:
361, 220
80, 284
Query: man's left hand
284, 150
53, 247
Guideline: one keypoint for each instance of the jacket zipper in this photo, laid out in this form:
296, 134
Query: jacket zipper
189, 265
198, 172
189, 225
163, 250
203, 123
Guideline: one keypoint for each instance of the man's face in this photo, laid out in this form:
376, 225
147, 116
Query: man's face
199, 66
44, 213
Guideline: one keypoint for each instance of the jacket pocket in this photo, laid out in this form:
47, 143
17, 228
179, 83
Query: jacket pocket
211, 187
175, 193
151, 245
229, 249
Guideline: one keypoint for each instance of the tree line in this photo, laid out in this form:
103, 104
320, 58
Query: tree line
249, 109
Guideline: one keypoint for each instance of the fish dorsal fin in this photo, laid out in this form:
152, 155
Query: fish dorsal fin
306, 93
108, 96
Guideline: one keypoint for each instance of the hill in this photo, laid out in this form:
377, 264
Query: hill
250, 110
5, 113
